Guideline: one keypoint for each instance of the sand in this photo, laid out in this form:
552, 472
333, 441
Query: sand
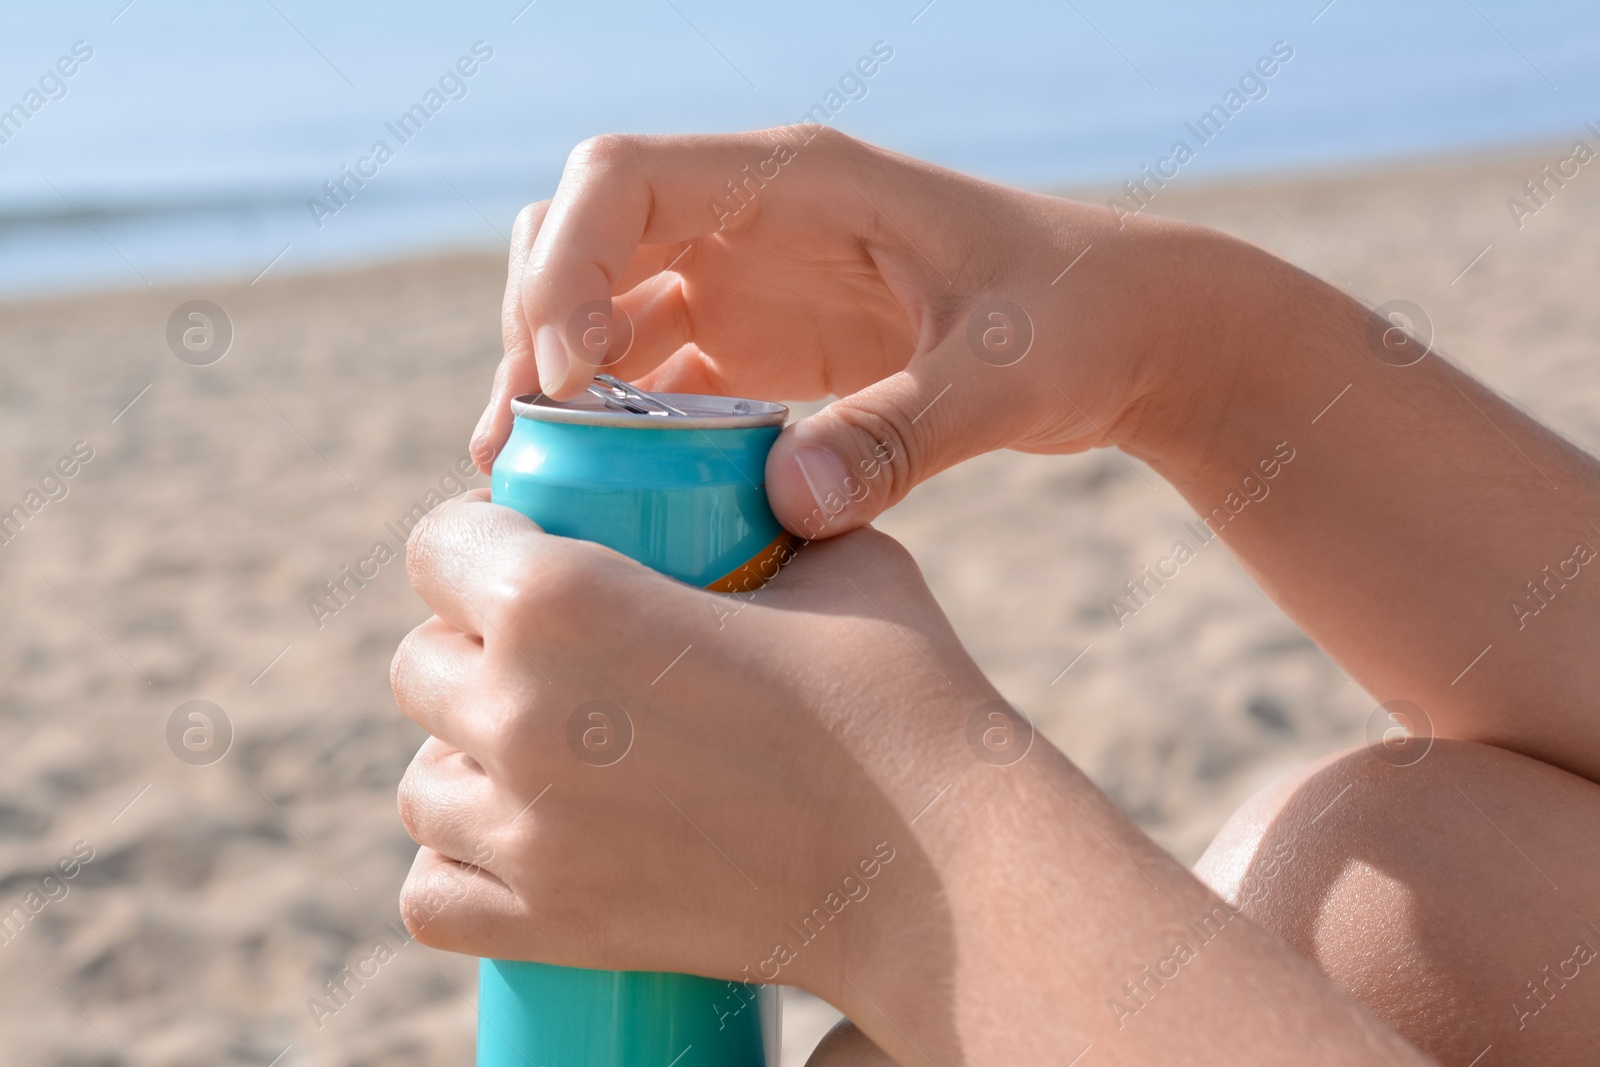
178, 564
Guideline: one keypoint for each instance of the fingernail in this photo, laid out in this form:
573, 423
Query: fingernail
550, 356
826, 477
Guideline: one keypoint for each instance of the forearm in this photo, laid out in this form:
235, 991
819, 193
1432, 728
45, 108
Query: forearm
1072, 929
1436, 542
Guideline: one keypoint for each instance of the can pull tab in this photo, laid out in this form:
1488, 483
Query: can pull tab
619, 394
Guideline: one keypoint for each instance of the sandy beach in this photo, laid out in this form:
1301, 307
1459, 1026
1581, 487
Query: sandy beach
209, 903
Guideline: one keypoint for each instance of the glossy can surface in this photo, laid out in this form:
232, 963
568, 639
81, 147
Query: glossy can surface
536, 1014
686, 496
684, 493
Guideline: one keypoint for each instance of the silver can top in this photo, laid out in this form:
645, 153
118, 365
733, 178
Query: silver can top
613, 402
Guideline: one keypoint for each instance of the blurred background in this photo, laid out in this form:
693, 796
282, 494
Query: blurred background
155, 153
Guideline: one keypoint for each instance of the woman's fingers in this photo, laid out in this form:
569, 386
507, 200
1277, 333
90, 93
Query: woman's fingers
617, 193
430, 675
518, 371
650, 260
464, 560
688, 370
516, 374
448, 804
840, 468
458, 907
630, 205
650, 323
489, 572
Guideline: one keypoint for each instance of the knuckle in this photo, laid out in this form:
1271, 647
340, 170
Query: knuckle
419, 906
430, 540
893, 462
403, 665
411, 914
420, 546
836, 140
602, 150
528, 220
515, 727
817, 136
550, 591
523, 751
406, 802
514, 338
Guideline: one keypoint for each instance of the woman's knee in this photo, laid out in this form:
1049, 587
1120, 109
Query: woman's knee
1450, 894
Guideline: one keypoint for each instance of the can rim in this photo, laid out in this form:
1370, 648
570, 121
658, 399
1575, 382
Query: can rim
702, 412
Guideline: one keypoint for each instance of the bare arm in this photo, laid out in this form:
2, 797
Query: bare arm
1028, 919
1013, 914
1438, 543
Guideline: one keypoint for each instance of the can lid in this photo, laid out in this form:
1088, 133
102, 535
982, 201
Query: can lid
613, 402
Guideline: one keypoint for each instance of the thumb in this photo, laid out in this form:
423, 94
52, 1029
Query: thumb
842, 467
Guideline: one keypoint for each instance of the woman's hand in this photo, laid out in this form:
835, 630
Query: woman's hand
801, 786
627, 772
953, 316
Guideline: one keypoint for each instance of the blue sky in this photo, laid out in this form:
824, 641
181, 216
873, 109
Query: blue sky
197, 132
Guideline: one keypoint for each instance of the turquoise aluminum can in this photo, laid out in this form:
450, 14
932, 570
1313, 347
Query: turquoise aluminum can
678, 483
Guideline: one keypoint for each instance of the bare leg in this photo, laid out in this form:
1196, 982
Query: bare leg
1458, 897
1433, 893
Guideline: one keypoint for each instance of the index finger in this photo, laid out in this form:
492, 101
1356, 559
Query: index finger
490, 572
617, 193
460, 556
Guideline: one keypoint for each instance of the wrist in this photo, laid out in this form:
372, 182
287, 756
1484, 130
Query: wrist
1144, 340
974, 926
1222, 309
